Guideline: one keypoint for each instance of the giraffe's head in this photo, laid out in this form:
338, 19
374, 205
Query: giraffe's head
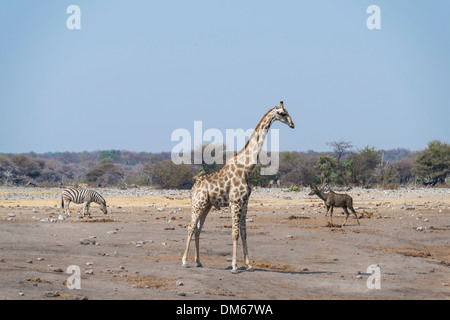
282, 115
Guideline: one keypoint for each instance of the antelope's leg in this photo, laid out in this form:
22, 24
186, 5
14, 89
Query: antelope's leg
346, 215
331, 214
354, 212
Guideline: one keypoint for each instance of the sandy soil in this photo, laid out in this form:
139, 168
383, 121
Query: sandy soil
294, 252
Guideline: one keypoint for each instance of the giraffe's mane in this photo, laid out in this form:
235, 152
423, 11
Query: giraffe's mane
258, 127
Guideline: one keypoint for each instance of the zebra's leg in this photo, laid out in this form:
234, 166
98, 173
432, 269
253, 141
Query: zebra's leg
85, 208
66, 206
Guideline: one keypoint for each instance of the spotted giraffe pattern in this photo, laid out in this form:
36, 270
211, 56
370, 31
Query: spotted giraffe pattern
229, 187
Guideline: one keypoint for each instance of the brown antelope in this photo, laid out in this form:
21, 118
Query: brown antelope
332, 199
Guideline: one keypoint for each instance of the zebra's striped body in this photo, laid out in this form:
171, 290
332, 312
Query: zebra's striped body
84, 196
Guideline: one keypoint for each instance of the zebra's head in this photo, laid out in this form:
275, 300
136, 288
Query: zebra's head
103, 207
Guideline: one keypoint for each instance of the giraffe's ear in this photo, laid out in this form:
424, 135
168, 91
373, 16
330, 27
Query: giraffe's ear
281, 105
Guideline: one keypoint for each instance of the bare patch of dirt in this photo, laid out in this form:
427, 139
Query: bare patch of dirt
294, 250
147, 282
97, 220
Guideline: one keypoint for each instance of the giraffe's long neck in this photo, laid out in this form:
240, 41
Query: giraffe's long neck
248, 156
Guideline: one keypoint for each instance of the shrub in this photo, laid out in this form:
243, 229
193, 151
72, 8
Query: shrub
293, 189
168, 175
26, 166
433, 163
105, 172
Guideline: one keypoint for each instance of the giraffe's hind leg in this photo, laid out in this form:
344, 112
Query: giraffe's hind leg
197, 232
198, 218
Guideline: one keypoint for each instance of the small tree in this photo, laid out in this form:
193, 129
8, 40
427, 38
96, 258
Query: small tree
298, 169
114, 155
364, 164
405, 169
338, 174
168, 175
433, 163
327, 166
340, 149
386, 174
6, 170
25, 167
213, 156
105, 172
257, 179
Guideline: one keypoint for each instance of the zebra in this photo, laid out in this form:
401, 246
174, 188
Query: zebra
84, 196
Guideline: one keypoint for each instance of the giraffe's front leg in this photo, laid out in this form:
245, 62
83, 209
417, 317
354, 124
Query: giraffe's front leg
243, 231
235, 215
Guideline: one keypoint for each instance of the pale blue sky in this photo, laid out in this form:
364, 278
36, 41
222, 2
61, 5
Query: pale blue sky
138, 70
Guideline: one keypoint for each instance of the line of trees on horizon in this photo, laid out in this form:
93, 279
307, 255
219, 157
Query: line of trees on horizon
341, 166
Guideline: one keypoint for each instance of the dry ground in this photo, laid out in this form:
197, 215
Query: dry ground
294, 252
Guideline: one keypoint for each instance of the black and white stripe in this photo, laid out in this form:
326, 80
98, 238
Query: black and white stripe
84, 196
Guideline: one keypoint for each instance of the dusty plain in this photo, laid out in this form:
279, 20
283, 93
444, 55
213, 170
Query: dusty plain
135, 251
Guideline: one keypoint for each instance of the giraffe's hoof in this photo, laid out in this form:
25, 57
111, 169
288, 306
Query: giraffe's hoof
250, 268
184, 265
199, 265
234, 271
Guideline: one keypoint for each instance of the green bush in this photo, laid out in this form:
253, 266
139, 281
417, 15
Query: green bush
168, 175
433, 163
105, 172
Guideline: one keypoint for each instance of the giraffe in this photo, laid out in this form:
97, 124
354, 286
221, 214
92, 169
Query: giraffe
229, 187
